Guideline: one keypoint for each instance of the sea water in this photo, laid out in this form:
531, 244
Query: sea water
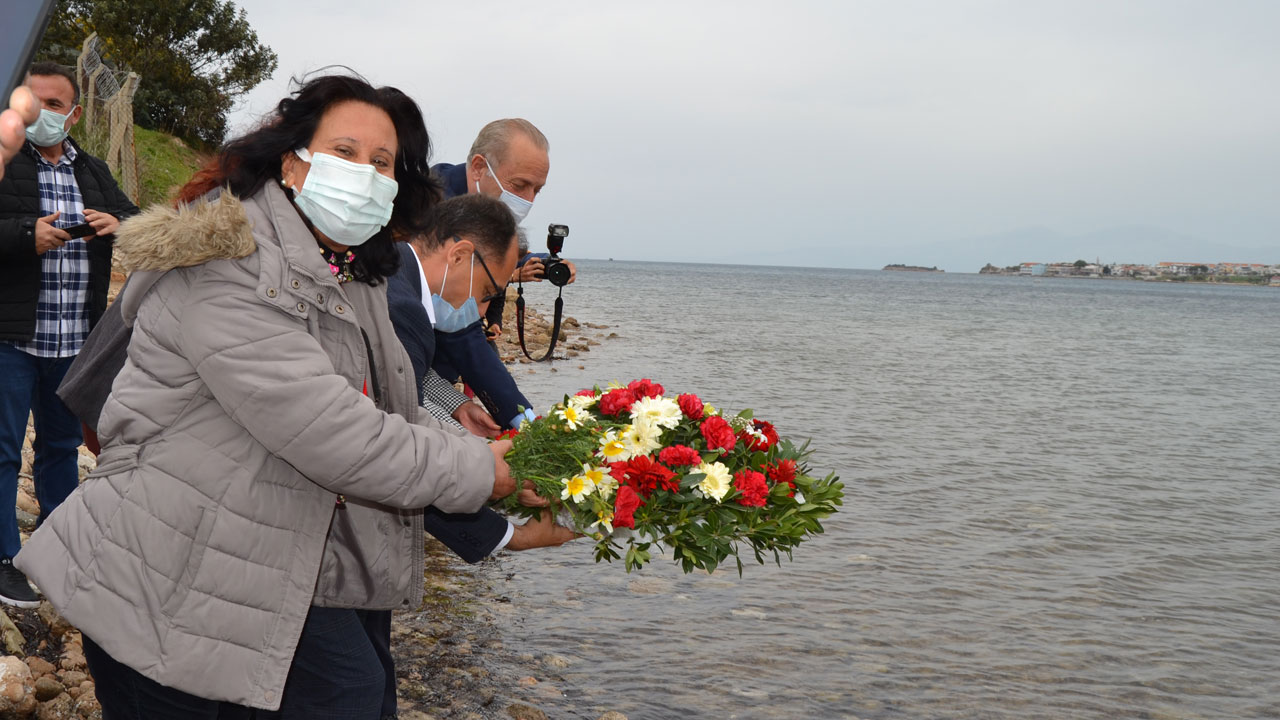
1062, 500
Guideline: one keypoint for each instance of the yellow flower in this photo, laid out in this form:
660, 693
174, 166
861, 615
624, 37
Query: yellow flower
576, 487
613, 449
717, 482
603, 481
605, 522
573, 417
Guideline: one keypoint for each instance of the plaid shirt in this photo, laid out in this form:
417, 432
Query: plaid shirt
62, 320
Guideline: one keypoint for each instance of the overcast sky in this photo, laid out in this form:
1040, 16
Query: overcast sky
814, 133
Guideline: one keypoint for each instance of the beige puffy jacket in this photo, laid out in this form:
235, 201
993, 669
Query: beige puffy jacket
213, 521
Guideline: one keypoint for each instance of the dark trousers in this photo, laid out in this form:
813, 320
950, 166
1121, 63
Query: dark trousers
335, 675
28, 384
377, 625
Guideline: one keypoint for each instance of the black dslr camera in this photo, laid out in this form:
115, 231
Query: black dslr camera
554, 269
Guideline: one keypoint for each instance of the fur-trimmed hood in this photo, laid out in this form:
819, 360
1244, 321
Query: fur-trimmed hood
162, 238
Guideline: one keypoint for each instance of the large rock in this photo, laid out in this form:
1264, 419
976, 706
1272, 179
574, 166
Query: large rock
15, 680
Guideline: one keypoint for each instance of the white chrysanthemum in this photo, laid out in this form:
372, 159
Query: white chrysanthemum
641, 439
576, 487
657, 411
582, 402
573, 417
613, 448
604, 482
717, 482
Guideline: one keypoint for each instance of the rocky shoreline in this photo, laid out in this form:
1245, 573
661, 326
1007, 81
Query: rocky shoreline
450, 660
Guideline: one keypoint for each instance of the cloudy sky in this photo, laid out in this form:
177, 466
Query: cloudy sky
846, 133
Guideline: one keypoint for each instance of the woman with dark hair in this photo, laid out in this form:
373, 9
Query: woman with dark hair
264, 464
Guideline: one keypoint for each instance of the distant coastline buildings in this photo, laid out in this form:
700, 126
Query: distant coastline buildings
1251, 273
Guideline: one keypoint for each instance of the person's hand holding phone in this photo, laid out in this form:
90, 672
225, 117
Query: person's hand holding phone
103, 223
49, 237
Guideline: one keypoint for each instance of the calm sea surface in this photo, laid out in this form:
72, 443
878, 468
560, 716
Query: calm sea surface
1062, 501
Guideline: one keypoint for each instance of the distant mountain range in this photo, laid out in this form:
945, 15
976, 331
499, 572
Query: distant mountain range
1132, 244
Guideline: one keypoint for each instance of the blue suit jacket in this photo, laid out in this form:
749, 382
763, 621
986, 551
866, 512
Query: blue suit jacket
473, 536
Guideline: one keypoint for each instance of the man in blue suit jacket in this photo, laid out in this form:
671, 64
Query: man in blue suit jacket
458, 228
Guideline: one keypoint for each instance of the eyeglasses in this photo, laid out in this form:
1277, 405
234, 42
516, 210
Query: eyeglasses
500, 290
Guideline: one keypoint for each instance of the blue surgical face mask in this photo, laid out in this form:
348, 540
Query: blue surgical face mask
49, 129
450, 319
348, 202
518, 206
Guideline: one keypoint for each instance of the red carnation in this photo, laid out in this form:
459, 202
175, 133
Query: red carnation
625, 504
756, 442
783, 472
643, 475
645, 388
585, 393
507, 434
718, 434
752, 486
616, 402
679, 455
690, 405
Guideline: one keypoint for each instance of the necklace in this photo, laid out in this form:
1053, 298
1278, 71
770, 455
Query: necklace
339, 266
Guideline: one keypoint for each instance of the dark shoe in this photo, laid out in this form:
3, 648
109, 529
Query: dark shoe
14, 588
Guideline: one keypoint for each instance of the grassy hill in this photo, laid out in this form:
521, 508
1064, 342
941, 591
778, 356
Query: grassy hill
165, 163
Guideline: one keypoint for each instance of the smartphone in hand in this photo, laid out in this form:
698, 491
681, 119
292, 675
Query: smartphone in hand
81, 230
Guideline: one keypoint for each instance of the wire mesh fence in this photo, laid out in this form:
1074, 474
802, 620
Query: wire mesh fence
108, 113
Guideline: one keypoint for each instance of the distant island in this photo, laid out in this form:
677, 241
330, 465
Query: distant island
911, 268
1241, 273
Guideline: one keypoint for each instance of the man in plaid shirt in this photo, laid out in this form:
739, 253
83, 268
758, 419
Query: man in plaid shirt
53, 288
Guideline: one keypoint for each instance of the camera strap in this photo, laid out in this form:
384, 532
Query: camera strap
555, 323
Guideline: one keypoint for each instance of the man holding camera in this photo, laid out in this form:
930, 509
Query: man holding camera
509, 160
59, 208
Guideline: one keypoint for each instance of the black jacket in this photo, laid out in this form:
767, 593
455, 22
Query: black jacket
19, 263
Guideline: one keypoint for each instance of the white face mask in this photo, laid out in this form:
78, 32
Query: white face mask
518, 206
49, 129
348, 202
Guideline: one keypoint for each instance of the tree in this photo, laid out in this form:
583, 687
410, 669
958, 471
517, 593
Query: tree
1080, 264
195, 57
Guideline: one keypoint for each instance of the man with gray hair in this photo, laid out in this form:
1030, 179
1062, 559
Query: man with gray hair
509, 161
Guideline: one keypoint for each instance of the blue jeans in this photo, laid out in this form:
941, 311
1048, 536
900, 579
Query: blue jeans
335, 675
29, 384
